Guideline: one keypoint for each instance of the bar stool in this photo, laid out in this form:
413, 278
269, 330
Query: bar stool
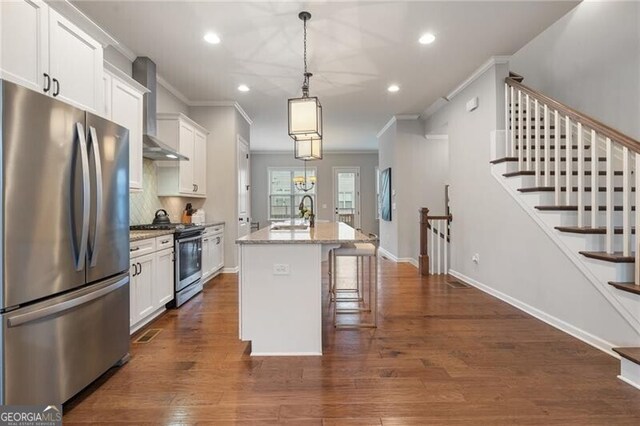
362, 252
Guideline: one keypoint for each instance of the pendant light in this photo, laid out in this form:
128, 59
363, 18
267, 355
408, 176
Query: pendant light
305, 114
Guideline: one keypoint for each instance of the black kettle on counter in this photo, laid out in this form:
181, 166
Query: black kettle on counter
161, 218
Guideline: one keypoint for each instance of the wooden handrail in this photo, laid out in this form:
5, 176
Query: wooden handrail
449, 217
567, 111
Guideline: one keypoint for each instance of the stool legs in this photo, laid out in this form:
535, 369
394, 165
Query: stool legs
370, 304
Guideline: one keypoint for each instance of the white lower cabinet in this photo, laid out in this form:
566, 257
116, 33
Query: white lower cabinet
151, 279
212, 251
163, 289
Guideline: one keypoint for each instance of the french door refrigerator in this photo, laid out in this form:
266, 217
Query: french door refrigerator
64, 294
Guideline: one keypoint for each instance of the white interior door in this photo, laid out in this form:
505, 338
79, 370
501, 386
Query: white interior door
346, 195
244, 189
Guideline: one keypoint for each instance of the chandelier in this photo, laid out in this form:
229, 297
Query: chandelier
305, 114
302, 183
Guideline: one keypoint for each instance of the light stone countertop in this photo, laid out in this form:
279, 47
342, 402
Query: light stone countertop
144, 235
322, 233
209, 224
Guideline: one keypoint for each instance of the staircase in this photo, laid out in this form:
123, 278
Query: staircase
577, 178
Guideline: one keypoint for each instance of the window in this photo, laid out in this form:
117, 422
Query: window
284, 198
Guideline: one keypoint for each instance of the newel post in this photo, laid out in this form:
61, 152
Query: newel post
423, 261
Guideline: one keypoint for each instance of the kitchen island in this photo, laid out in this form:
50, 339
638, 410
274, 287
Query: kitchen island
281, 285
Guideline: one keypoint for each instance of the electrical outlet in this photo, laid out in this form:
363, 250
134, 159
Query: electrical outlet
476, 258
280, 269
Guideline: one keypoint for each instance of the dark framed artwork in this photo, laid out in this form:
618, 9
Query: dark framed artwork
385, 194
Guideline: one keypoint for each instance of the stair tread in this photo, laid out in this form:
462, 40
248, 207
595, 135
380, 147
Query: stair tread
575, 208
629, 287
600, 230
562, 173
632, 354
616, 257
573, 189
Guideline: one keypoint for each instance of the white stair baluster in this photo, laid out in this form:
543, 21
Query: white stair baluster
513, 127
536, 154
626, 203
432, 258
580, 176
568, 170
609, 203
521, 141
446, 247
547, 148
558, 154
438, 224
594, 180
508, 120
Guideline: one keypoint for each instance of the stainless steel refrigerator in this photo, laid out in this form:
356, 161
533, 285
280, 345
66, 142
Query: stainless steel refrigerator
64, 299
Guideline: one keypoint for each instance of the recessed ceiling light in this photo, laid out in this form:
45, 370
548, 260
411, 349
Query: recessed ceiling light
427, 38
212, 38
393, 88
243, 88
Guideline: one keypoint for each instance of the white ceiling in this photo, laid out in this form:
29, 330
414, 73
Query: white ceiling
356, 49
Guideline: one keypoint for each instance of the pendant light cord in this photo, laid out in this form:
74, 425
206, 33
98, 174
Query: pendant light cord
305, 82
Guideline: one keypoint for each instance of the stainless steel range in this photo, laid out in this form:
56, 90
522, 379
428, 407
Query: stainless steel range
188, 256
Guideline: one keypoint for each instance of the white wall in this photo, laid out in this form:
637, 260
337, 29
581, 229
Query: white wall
516, 257
419, 170
260, 162
590, 60
225, 124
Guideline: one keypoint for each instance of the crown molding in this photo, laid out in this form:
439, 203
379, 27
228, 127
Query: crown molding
491, 62
82, 21
233, 104
436, 137
395, 118
175, 92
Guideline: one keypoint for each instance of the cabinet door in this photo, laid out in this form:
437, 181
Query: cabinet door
24, 42
144, 285
75, 62
187, 137
218, 261
133, 308
206, 256
107, 81
200, 163
163, 287
126, 110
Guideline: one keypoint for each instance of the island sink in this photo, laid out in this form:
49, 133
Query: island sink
289, 227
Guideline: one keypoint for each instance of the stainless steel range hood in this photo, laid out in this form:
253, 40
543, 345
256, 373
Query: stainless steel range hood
144, 72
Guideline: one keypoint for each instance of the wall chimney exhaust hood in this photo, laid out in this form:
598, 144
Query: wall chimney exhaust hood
144, 72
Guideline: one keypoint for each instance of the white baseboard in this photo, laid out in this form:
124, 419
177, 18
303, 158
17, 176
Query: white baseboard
630, 373
230, 270
392, 257
576, 332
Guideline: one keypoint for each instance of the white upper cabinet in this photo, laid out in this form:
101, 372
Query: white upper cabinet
44, 51
183, 178
200, 163
124, 98
24, 43
75, 64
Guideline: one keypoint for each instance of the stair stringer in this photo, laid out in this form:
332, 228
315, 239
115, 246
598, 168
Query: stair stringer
633, 319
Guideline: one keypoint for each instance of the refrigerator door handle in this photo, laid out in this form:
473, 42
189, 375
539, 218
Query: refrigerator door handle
86, 198
93, 258
16, 320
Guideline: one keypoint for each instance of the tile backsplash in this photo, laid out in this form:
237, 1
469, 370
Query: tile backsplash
143, 205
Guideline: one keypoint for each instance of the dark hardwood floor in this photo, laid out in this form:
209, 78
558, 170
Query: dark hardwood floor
443, 354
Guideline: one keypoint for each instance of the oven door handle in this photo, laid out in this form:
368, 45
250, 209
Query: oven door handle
185, 240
